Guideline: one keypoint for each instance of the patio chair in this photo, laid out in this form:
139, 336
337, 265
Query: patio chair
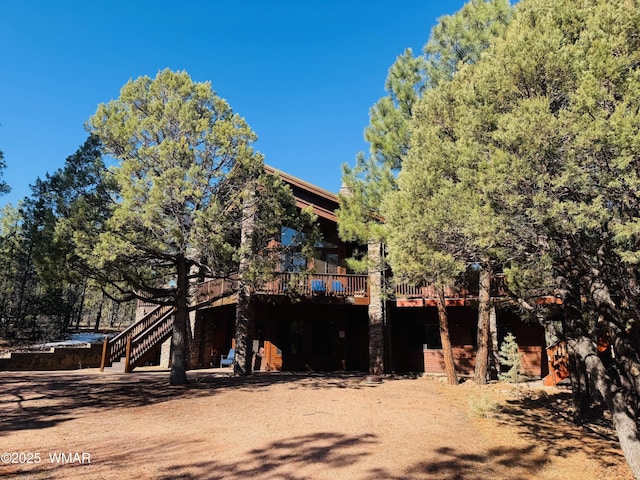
337, 287
227, 360
318, 286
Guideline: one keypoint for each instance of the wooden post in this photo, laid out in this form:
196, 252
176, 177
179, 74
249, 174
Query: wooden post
105, 352
127, 356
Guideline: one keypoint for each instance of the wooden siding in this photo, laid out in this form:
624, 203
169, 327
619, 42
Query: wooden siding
415, 337
322, 202
465, 359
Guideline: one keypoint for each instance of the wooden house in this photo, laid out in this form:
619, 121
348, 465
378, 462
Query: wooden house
323, 325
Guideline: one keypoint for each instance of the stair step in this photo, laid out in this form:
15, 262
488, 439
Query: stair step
116, 367
139, 340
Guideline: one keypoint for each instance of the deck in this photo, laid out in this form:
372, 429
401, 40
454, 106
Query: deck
425, 296
348, 288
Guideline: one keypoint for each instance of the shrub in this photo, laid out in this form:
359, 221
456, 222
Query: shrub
510, 356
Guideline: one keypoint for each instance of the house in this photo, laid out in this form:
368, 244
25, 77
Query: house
303, 322
320, 321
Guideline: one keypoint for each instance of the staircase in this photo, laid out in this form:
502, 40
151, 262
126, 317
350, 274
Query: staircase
131, 347
558, 356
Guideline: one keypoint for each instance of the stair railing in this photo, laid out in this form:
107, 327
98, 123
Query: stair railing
139, 347
115, 347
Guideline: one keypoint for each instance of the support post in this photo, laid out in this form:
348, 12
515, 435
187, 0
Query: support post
105, 352
127, 356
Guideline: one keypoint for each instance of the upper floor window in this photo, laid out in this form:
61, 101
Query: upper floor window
292, 259
326, 258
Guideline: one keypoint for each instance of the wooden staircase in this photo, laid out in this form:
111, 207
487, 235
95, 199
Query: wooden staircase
558, 356
131, 347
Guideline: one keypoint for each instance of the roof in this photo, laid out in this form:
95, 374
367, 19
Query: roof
322, 202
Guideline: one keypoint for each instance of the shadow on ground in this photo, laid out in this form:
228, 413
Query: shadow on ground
36, 400
546, 422
294, 458
289, 459
329, 453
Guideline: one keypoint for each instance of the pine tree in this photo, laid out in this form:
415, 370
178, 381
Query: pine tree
4, 186
456, 40
511, 357
541, 132
184, 158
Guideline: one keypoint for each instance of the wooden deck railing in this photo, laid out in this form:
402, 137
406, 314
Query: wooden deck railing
215, 288
338, 285
115, 347
404, 290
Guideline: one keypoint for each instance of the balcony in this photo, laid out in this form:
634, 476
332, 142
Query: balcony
332, 284
417, 296
348, 288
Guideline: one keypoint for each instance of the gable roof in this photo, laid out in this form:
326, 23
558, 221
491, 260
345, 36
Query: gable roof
322, 202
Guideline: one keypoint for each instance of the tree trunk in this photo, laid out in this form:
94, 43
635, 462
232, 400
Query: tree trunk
96, 326
579, 388
245, 332
447, 351
376, 309
178, 375
20, 313
623, 412
484, 318
245, 321
494, 363
81, 306
574, 328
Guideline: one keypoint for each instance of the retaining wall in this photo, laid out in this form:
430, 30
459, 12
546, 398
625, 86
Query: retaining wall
58, 358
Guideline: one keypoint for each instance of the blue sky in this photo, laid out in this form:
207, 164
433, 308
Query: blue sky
302, 73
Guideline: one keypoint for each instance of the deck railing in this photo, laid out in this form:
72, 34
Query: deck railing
334, 284
304, 284
215, 288
404, 290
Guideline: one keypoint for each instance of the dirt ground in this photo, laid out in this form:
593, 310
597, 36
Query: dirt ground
292, 427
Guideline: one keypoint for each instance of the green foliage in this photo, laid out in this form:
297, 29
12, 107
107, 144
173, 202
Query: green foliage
528, 152
462, 36
16, 278
185, 165
183, 156
44, 289
511, 357
4, 187
460, 39
534, 151
191, 198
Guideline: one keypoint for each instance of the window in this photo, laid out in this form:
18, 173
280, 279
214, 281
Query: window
290, 237
292, 260
326, 262
326, 259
